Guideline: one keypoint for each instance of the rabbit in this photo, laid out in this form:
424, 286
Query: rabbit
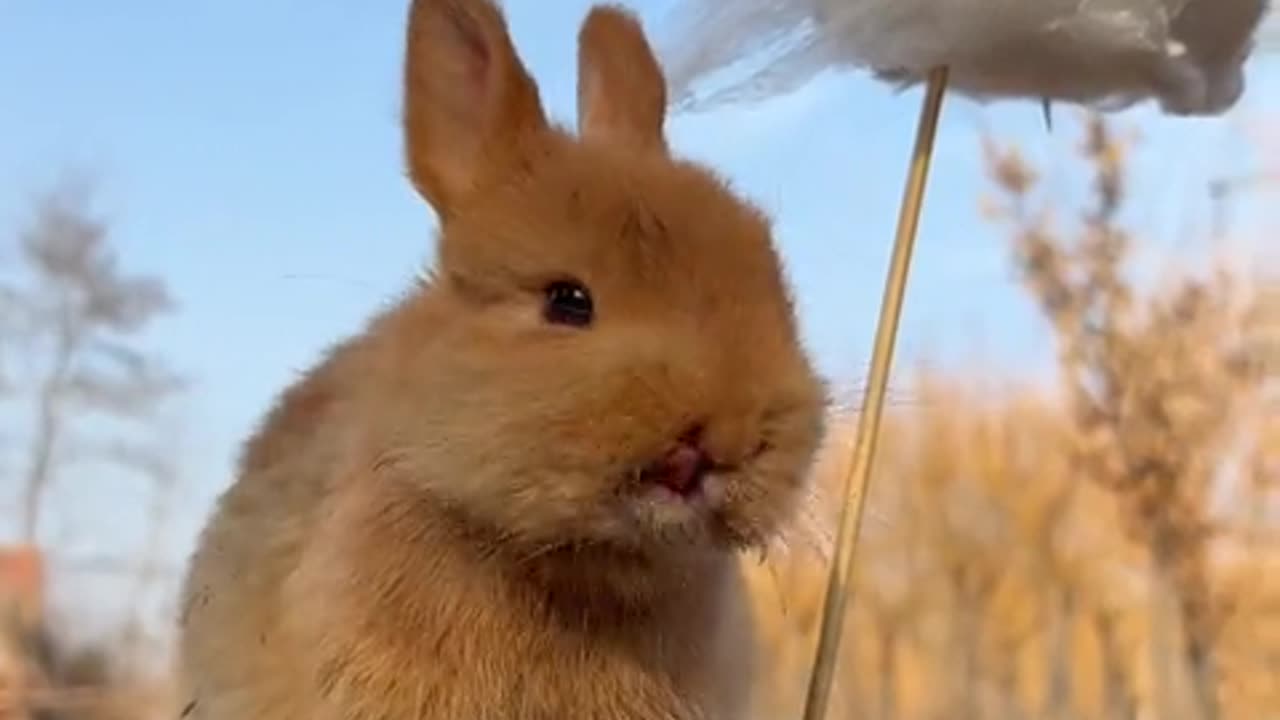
522, 492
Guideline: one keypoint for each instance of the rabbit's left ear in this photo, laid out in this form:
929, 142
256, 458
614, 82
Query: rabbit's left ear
471, 110
622, 94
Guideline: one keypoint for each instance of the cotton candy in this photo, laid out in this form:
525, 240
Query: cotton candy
1187, 55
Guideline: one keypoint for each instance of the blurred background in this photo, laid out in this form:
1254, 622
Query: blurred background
1077, 510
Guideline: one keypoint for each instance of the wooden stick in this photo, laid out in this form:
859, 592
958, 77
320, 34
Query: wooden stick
858, 480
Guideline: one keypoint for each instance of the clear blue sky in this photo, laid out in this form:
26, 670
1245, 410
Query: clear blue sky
249, 153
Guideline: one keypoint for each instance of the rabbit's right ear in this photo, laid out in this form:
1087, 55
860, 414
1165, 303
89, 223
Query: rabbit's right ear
622, 94
470, 108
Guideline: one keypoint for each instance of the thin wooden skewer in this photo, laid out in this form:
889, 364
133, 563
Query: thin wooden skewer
858, 481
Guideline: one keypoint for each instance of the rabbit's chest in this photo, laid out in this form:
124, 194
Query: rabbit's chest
595, 687
440, 637
534, 671
667, 672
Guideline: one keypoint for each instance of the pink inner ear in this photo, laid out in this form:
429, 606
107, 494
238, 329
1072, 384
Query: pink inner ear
475, 50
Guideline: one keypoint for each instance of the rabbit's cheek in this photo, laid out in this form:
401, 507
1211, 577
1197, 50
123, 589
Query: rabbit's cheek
760, 498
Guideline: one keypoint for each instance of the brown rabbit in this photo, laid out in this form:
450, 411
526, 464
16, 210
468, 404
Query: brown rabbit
521, 493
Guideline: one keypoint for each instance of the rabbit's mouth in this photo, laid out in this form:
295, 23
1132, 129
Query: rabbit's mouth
686, 497
681, 472
700, 512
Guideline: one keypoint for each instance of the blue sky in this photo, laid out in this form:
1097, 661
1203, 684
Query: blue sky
249, 153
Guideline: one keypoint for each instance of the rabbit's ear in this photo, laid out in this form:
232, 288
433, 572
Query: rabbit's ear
470, 107
622, 94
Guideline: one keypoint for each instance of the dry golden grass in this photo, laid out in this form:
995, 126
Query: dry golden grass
1098, 549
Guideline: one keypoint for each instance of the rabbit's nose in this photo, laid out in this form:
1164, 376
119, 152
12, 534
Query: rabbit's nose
682, 468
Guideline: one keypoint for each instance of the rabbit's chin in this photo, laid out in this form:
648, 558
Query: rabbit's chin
656, 525
649, 540
665, 520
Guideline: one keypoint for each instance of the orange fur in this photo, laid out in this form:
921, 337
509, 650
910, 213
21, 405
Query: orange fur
443, 519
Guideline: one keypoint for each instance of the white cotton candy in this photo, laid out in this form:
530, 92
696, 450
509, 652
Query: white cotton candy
1185, 54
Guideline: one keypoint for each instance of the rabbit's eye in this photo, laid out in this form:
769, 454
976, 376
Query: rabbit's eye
568, 303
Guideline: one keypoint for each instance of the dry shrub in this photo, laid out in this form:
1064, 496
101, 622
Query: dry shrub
1087, 550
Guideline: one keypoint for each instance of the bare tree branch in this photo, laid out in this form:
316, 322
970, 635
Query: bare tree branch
81, 314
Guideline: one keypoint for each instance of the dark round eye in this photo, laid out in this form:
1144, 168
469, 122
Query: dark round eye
568, 303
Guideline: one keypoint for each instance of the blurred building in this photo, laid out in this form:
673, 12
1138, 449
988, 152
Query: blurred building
23, 652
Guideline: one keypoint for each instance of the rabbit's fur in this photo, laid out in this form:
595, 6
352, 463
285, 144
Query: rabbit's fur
446, 518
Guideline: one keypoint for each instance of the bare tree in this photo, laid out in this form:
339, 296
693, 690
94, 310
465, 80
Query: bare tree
75, 371
1154, 388
76, 316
